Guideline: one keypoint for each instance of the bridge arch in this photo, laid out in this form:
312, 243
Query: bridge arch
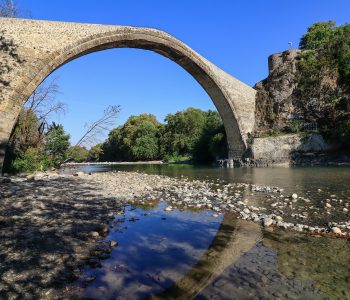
44, 46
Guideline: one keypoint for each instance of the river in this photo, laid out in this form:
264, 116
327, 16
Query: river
195, 254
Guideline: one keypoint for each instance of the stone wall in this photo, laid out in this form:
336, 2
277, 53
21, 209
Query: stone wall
281, 148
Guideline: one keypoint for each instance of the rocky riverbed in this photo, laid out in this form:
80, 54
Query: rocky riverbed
50, 222
267, 205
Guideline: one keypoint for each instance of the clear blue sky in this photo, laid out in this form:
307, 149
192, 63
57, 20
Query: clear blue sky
237, 36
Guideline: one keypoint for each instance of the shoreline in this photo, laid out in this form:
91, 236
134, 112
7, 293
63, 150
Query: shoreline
310, 159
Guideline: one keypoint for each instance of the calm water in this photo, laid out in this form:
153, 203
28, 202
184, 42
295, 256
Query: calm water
197, 255
297, 179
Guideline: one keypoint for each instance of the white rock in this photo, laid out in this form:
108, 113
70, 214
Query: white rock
336, 230
267, 222
328, 205
294, 196
78, 174
345, 210
278, 218
168, 208
94, 234
246, 211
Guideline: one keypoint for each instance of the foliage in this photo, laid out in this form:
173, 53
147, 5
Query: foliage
95, 153
57, 143
318, 35
190, 134
295, 126
181, 131
78, 153
212, 141
32, 160
324, 79
137, 139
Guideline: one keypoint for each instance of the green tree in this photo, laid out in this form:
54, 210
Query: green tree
137, 139
323, 77
212, 141
95, 153
112, 148
181, 131
57, 143
318, 35
31, 160
78, 153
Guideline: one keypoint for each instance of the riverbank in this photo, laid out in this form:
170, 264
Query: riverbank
151, 162
50, 222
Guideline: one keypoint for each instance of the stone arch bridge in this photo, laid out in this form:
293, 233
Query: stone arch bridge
31, 50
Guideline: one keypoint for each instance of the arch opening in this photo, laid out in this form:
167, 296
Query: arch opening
214, 81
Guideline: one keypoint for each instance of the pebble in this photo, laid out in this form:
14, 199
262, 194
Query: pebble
78, 174
246, 211
294, 196
113, 243
94, 234
336, 230
267, 222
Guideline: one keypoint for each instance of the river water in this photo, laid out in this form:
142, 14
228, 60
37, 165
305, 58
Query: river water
196, 254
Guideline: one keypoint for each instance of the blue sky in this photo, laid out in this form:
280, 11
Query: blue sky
237, 36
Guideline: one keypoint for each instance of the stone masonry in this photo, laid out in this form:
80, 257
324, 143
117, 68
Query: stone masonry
30, 50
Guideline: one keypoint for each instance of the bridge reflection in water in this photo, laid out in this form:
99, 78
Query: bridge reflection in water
233, 238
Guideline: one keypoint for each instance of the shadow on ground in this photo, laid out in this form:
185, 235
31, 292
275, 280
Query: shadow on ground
44, 233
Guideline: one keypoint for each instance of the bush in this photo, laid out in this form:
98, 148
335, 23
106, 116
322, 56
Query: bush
32, 160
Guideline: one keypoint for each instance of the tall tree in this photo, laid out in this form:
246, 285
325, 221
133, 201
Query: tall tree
95, 153
137, 139
57, 143
182, 130
43, 102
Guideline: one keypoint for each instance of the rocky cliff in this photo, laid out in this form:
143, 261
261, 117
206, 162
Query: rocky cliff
299, 93
275, 101
292, 99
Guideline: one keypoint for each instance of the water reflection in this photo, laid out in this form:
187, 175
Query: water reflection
194, 255
155, 250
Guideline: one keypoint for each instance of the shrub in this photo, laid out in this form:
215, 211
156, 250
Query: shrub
31, 160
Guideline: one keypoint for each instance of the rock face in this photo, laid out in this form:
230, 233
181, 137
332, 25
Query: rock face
281, 148
275, 99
